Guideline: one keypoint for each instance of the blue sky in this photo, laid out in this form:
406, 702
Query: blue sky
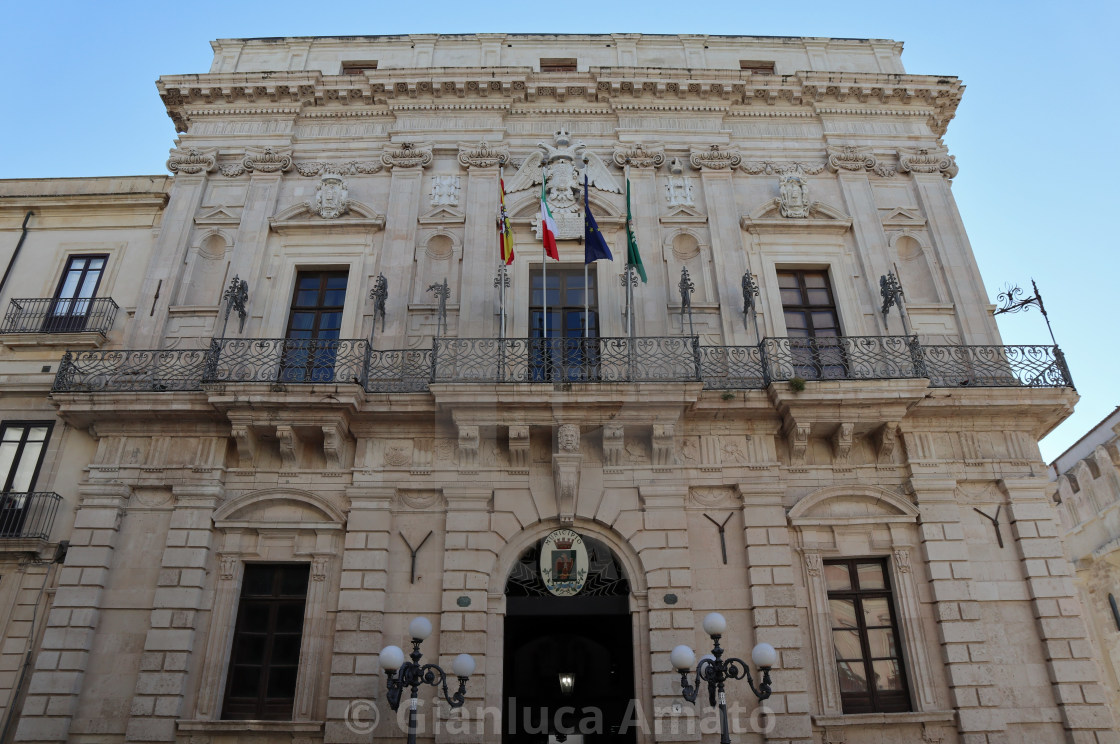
1034, 138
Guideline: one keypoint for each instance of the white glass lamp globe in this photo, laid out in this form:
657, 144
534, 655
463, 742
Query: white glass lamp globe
420, 628
682, 658
714, 624
391, 658
764, 656
463, 666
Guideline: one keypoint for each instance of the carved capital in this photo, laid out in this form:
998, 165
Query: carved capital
849, 158
319, 566
924, 160
483, 156
193, 160
715, 159
408, 155
260, 160
902, 560
227, 566
638, 156
813, 564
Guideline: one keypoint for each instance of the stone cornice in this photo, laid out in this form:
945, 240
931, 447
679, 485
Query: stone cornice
618, 87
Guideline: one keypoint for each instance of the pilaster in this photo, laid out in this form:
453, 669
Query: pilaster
397, 251
650, 318
477, 313
728, 259
157, 700
52, 697
775, 612
871, 241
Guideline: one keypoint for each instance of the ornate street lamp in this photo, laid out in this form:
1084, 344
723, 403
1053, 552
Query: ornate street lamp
714, 670
401, 674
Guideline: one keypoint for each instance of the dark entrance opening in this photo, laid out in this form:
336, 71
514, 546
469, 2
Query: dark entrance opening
586, 639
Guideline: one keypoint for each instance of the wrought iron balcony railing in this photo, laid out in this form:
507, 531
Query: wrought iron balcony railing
656, 359
54, 315
27, 516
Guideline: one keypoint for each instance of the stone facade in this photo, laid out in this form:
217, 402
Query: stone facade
1087, 492
412, 465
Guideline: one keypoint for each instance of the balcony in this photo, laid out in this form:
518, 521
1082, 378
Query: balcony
521, 361
58, 322
26, 518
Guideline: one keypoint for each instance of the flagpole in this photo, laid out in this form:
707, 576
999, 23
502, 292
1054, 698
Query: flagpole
501, 256
586, 308
544, 260
628, 269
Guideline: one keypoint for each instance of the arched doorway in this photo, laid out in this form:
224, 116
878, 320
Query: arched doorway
568, 670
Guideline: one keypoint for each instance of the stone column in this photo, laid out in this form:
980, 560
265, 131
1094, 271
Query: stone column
169, 645
728, 258
398, 246
962, 275
166, 264
52, 697
962, 635
777, 617
470, 549
479, 297
1070, 659
355, 673
660, 535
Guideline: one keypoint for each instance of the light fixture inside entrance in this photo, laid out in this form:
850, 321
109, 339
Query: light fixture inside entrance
567, 683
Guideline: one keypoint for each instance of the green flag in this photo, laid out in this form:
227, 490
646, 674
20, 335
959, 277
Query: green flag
632, 255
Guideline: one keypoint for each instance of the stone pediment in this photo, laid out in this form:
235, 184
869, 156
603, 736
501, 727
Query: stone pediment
822, 218
278, 508
903, 217
848, 504
219, 216
443, 215
301, 217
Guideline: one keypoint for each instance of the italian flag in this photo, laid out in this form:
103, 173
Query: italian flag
548, 227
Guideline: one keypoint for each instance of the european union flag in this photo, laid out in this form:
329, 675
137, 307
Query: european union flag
594, 244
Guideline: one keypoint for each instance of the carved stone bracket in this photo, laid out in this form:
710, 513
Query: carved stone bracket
408, 155
638, 156
246, 440
715, 158
842, 445
483, 156
291, 447
468, 448
519, 448
886, 439
260, 160
338, 445
348, 168
566, 466
798, 437
924, 160
614, 444
664, 446
193, 160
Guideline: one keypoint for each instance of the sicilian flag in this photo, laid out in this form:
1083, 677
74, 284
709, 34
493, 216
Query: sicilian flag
548, 227
632, 256
594, 244
505, 234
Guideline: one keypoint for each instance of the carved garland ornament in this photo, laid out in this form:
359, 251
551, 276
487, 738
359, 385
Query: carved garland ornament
408, 155
773, 167
349, 168
192, 161
638, 156
715, 158
483, 156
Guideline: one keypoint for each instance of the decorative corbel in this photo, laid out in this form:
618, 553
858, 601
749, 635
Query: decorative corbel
842, 445
338, 446
638, 156
468, 448
246, 440
614, 444
926, 160
483, 156
519, 448
797, 435
664, 445
715, 159
886, 439
193, 160
566, 466
408, 155
290, 447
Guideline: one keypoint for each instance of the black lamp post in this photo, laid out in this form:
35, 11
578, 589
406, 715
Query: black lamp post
401, 674
714, 670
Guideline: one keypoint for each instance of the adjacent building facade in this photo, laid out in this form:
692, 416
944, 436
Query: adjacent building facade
258, 415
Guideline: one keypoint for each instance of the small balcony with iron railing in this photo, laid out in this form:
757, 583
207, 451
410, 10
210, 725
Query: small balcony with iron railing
683, 359
74, 322
26, 519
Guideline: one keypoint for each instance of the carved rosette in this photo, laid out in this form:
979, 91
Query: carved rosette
850, 158
408, 155
715, 158
483, 156
638, 156
924, 160
192, 160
